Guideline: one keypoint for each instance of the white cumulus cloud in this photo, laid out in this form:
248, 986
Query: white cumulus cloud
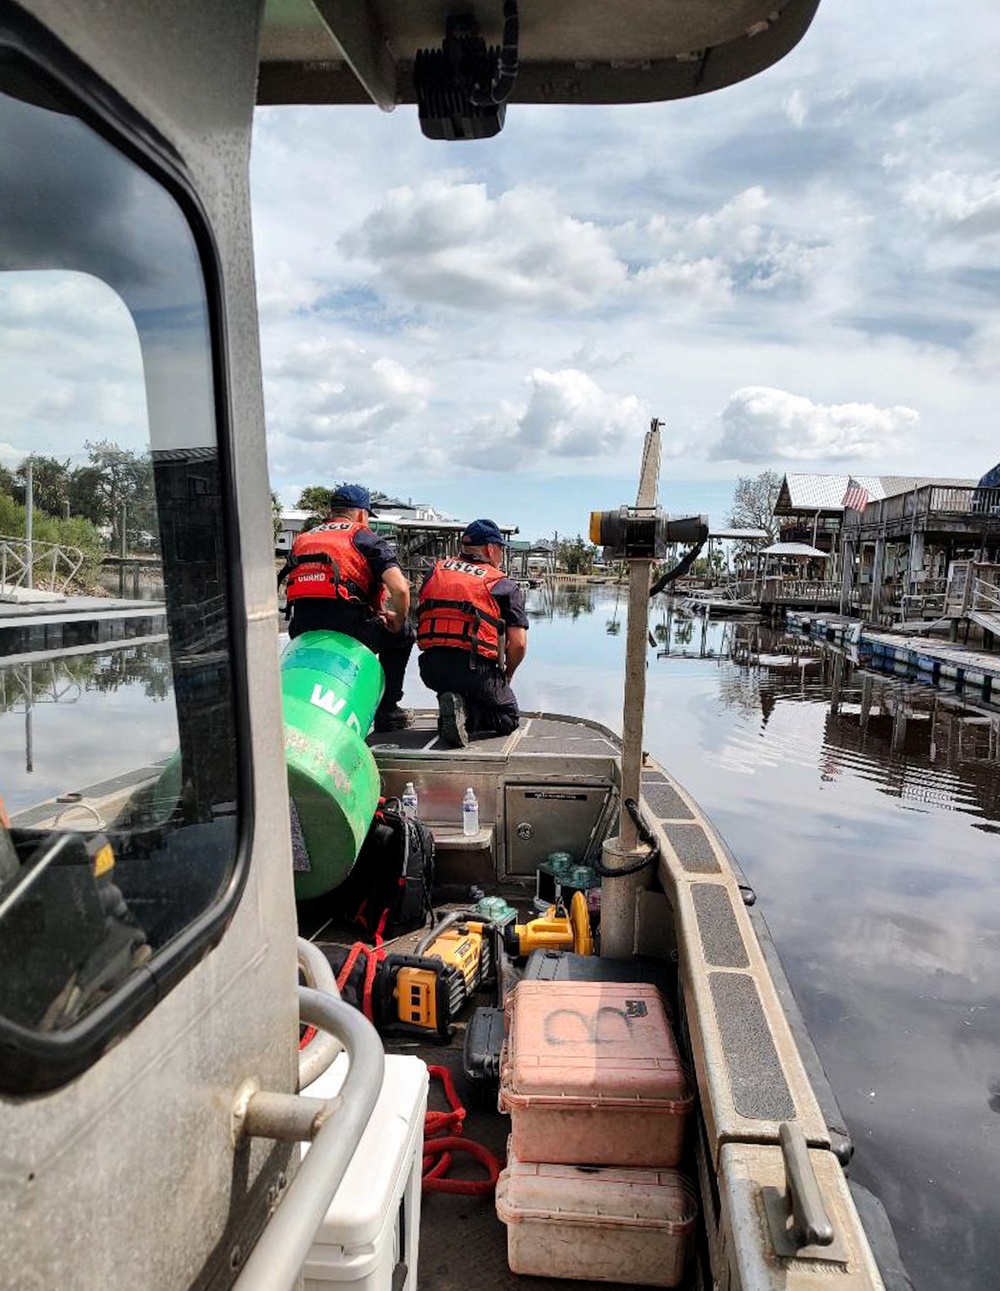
570, 415
453, 244
795, 108
703, 282
336, 392
760, 424
567, 421
966, 205
11, 456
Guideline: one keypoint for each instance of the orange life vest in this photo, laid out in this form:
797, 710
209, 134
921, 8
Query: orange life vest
324, 562
457, 608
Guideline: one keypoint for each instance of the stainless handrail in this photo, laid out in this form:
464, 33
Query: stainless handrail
275, 1262
321, 1050
316, 968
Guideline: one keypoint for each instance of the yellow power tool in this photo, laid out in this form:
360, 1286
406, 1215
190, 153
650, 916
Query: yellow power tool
553, 931
421, 994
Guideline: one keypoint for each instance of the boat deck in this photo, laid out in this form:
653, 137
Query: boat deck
539, 733
463, 1243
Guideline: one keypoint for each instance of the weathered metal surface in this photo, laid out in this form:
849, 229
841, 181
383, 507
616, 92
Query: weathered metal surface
94, 1189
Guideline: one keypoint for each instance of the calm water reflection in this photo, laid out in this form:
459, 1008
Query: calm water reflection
79, 719
864, 810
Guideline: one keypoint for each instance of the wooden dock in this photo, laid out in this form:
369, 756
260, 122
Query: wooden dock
33, 629
964, 670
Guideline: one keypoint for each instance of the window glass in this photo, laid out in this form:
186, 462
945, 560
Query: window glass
118, 799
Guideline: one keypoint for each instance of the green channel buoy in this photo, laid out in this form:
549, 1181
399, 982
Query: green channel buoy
331, 685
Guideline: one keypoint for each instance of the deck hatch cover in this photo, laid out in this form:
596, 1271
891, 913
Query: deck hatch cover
721, 939
760, 1091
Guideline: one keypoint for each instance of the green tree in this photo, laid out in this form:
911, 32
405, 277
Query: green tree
754, 500
315, 499
575, 555
705, 568
49, 484
85, 496
124, 480
275, 514
6, 481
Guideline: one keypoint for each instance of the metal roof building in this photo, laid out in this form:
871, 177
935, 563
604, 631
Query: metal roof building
808, 494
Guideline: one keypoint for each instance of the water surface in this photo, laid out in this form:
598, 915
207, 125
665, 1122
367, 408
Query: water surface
872, 846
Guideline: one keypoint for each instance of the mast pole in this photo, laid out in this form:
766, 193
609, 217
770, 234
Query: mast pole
636, 642
618, 894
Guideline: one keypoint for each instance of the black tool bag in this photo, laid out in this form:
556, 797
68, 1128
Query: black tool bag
389, 889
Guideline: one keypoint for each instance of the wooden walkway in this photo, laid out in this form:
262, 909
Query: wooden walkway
30, 630
967, 671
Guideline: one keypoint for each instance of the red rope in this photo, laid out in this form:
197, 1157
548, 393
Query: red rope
443, 1136
373, 957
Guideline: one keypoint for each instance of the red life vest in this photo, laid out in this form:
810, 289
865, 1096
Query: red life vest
457, 608
324, 562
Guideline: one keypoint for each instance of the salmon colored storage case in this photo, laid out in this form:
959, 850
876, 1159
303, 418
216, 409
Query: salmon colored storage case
591, 1075
606, 1223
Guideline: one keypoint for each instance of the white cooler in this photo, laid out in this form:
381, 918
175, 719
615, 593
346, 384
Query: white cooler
371, 1234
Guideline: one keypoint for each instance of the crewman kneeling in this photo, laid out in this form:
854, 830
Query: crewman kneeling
342, 577
472, 632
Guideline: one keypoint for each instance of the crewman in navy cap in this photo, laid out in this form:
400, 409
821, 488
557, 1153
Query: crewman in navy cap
344, 578
472, 632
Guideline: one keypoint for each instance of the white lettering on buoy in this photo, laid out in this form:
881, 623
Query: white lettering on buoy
327, 700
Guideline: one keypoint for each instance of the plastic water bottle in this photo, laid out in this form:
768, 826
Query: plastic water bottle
470, 814
408, 801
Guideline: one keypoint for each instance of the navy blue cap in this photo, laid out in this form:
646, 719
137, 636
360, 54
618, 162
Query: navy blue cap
481, 533
352, 495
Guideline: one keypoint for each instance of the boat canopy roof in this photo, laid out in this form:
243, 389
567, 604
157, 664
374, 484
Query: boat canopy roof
569, 51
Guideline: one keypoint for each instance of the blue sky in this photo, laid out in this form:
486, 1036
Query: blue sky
799, 272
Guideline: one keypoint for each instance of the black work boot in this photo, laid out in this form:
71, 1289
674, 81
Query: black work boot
451, 722
392, 719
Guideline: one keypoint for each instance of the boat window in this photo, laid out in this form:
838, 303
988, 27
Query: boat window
118, 783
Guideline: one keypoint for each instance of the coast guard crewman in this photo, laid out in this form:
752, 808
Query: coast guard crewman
344, 578
472, 632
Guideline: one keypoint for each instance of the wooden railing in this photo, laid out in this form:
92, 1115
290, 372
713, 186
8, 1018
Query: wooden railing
932, 499
46, 566
972, 585
801, 590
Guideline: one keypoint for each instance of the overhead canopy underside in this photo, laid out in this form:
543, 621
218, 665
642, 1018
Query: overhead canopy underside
571, 51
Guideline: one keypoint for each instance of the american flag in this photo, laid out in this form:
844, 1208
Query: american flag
855, 496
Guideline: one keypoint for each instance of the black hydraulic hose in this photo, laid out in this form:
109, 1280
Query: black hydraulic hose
681, 568
449, 920
506, 73
645, 834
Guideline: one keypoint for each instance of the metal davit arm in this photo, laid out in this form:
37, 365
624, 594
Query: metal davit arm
276, 1261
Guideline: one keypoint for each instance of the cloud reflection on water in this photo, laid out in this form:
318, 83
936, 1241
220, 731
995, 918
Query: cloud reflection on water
878, 882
